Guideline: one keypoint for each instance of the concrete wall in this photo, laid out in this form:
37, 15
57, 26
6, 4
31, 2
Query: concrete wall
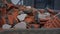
31, 31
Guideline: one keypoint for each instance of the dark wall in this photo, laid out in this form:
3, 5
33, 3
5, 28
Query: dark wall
57, 5
39, 4
44, 3
29, 2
